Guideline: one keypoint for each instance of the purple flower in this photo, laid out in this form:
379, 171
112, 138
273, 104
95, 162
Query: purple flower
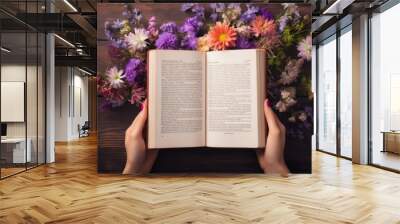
134, 15
250, 13
217, 7
266, 14
118, 43
117, 24
187, 6
108, 30
167, 40
191, 25
169, 27
189, 41
214, 16
198, 10
133, 68
152, 27
244, 43
282, 22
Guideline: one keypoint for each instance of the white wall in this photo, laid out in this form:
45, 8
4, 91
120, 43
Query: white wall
62, 81
71, 102
34, 125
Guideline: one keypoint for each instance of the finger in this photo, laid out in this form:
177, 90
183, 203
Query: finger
260, 157
140, 121
271, 118
151, 156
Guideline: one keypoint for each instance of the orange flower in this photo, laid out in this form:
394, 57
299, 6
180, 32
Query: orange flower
261, 26
221, 36
202, 43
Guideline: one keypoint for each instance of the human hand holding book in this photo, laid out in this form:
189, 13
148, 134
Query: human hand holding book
141, 159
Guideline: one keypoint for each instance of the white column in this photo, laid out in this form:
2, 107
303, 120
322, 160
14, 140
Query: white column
50, 92
360, 90
50, 99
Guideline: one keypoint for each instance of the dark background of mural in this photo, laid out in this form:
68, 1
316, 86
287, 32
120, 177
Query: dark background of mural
113, 123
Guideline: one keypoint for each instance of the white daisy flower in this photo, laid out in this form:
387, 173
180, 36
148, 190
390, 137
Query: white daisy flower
115, 77
137, 39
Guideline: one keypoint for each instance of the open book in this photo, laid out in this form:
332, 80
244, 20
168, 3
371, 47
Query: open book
206, 99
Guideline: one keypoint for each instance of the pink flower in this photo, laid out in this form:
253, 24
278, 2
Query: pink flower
152, 28
288, 96
305, 48
291, 71
138, 94
261, 26
303, 116
114, 96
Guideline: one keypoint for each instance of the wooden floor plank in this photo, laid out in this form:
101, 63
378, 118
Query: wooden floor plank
71, 191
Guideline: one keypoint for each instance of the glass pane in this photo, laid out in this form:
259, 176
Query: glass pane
327, 96
31, 98
314, 89
385, 84
346, 94
32, 87
13, 86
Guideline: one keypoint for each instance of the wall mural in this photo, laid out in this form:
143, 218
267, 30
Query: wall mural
127, 31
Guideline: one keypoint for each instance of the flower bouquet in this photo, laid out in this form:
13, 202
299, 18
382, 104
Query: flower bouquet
217, 26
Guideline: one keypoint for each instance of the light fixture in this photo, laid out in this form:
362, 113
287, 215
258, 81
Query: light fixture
70, 5
337, 7
5, 50
84, 71
65, 41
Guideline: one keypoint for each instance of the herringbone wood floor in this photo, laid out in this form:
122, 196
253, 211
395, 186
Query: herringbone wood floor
70, 191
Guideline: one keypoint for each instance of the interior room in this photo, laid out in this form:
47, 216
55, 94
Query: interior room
385, 109
22, 102
75, 120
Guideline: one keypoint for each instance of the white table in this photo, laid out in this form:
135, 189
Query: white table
19, 153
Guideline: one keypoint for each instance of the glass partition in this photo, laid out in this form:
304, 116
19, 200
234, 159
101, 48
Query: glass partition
326, 96
385, 89
14, 153
346, 92
22, 88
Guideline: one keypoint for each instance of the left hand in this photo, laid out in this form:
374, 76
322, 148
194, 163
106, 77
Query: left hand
135, 145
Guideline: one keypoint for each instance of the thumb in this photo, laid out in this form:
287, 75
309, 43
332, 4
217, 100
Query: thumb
270, 116
140, 121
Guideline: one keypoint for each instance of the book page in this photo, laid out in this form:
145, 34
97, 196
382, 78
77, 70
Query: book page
234, 98
176, 99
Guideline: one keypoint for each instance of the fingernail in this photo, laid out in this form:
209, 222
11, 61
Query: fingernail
267, 103
141, 106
